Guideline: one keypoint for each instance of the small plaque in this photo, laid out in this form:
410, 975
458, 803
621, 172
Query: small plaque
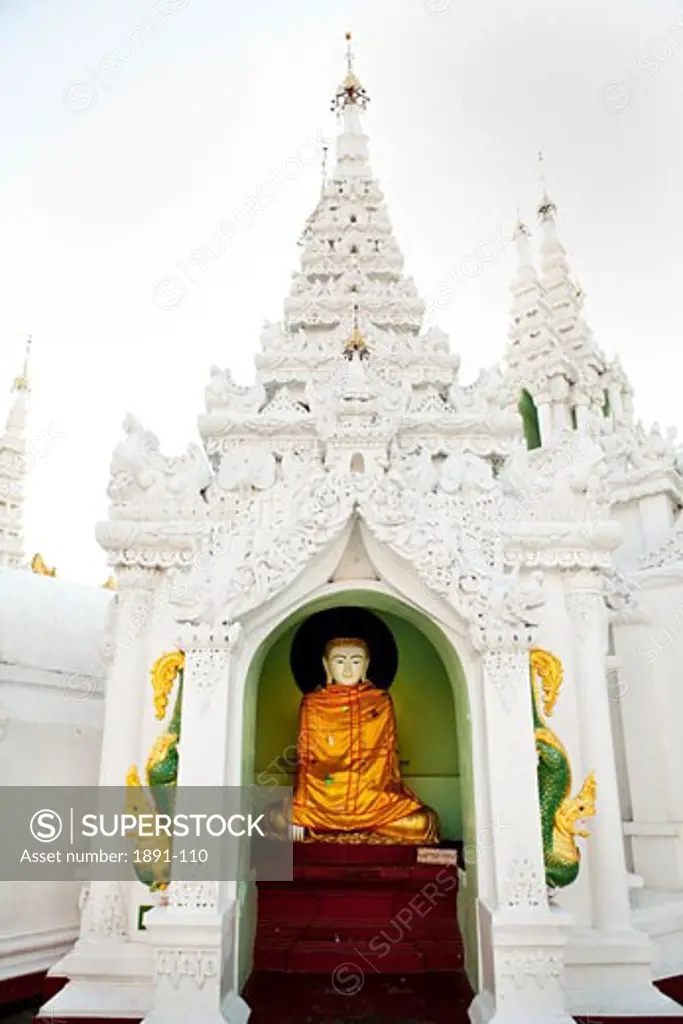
435, 855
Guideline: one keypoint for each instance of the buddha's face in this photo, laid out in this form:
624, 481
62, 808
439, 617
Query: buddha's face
346, 662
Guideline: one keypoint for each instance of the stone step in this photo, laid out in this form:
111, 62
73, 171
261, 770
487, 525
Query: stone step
347, 930
295, 904
360, 955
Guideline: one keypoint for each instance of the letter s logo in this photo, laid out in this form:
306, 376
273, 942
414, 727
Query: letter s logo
46, 826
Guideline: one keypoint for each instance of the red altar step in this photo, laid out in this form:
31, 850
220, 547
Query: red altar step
382, 999
372, 908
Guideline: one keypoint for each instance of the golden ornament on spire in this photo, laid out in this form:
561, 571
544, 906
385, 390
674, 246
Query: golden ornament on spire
21, 382
546, 208
38, 566
109, 583
356, 343
350, 92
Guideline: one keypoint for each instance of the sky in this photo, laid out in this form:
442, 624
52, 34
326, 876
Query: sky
132, 131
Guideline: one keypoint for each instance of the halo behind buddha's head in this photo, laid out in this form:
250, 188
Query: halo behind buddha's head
313, 636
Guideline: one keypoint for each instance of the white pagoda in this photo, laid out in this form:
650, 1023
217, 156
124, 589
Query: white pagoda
14, 463
523, 527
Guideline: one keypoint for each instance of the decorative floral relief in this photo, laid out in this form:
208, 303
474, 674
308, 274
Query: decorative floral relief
508, 672
524, 886
204, 671
193, 895
199, 965
537, 966
103, 911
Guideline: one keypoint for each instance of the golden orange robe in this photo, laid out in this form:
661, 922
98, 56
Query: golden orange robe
348, 777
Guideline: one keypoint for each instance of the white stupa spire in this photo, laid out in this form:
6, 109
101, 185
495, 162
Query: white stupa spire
565, 300
349, 101
552, 353
348, 246
13, 471
533, 345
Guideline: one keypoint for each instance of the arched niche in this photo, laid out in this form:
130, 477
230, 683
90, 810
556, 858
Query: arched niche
433, 716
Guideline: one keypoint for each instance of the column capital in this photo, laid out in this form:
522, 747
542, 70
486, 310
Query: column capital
586, 579
507, 669
209, 651
131, 578
586, 594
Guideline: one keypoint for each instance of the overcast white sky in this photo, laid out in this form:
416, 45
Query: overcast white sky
130, 131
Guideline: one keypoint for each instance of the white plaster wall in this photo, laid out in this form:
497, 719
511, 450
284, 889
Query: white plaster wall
650, 654
51, 687
633, 545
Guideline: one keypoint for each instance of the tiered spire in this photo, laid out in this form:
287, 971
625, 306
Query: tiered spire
349, 253
534, 357
13, 471
552, 354
565, 300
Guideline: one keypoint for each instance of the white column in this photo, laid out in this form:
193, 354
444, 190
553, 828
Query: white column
193, 936
545, 421
609, 968
522, 938
651, 708
126, 650
124, 704
588, 614
106, 970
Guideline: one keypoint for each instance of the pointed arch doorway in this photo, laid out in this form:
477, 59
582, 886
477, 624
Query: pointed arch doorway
435, 738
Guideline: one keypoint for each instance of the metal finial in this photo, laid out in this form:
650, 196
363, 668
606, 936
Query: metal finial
546, 207
21, 382
350, 92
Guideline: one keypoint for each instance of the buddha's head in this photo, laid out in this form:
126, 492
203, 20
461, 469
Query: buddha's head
346, 660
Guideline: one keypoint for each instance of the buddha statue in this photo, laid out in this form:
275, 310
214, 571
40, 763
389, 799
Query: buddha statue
348, 783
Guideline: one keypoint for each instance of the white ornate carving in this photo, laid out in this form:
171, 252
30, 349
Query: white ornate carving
535, 966
508, 672
222, 394
139, 470
620, 597
103, 910
246, 467
193, 895
668, 555
524, 887
199, 965
208, 654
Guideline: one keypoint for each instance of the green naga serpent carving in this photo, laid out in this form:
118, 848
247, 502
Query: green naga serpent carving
153, 856
561, 813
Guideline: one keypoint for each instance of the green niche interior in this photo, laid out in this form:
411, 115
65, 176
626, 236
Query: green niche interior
269, 722
529, 413
425, 716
